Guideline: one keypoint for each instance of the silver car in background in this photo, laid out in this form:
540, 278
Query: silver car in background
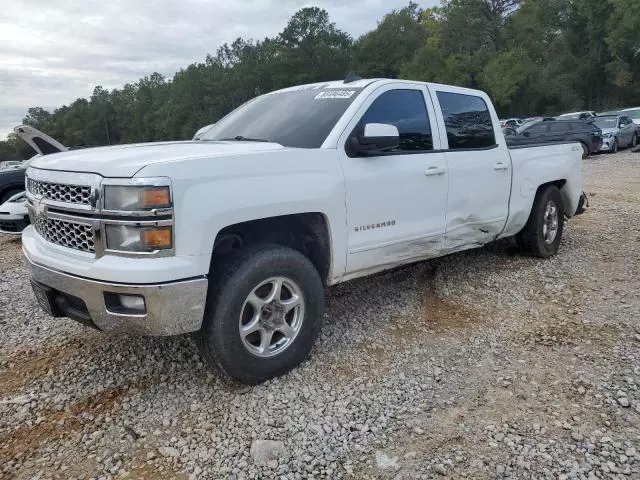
633, 114
618, 131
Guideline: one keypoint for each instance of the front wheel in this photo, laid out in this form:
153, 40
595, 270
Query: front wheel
634, 140
614, 146
542, 234
263, 314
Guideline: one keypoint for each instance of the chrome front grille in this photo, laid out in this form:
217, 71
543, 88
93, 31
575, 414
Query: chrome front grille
68, 234
60, 192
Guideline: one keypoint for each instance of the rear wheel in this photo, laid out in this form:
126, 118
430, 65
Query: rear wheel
263, 314
542, 234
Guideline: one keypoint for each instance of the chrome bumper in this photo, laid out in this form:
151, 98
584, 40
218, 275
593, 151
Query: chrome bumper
171, 308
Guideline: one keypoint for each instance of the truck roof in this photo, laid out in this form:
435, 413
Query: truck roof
364, 82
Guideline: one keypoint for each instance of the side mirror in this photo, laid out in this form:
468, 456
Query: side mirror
509, 132
377, 138
527, 134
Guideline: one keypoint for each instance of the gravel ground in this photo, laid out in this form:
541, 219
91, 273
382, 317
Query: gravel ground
479, 365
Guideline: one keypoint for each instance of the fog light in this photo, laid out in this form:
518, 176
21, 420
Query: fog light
133, 302
125, 304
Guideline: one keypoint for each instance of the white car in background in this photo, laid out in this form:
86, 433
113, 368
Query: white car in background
633, 114
14, 216
577, 115
202, 131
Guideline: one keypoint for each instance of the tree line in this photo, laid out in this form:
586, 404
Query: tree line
534, 57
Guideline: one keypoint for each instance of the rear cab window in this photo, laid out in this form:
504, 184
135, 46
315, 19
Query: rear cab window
467, 121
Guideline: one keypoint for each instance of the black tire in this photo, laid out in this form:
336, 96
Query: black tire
634, 140
234, 277
585, 150
614, 146
531, 238
6, 195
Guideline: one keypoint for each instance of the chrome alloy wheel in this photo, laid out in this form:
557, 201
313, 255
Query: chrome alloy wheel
550, 223
271, 317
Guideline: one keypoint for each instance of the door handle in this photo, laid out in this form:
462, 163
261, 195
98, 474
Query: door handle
500, 166
434, 171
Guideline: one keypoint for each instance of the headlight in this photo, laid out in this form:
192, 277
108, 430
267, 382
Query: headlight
607, 135
130, 238
136, 198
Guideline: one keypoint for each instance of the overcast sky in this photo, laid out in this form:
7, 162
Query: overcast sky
54, 51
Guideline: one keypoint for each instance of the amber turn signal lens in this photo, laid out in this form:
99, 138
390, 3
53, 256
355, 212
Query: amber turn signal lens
155, 197
156, 238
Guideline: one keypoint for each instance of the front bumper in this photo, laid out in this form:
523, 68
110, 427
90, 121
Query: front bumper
607, 143
171, 308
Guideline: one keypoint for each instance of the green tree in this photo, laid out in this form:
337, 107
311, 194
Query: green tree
384, 51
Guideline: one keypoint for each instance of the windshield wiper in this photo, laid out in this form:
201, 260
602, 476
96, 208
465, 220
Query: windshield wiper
240, 138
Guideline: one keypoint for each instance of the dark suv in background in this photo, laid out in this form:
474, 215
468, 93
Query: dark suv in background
540, 131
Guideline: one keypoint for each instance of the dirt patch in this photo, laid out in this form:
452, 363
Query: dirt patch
154, 472
570, 333
27, 365
16, 444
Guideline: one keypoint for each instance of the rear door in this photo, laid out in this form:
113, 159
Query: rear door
395, 201
479, 167
538, 133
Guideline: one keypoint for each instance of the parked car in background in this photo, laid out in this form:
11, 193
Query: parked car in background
198, 135
618, 131
12, 178
10, 163
633, 114
14, 216
587, 134
608, 113
577, 115
511, 122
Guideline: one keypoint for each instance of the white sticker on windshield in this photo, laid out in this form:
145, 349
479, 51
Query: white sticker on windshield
335, 94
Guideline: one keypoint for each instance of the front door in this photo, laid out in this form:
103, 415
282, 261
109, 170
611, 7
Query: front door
479, 170
627, 128
395, 202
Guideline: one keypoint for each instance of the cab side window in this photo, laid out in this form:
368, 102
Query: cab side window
407, 111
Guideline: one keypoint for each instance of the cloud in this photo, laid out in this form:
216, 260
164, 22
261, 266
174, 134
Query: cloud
54, 51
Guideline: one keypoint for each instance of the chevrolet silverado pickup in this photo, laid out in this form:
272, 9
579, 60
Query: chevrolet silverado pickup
234, 237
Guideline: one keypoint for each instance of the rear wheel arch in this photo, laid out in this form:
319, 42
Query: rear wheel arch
532, 238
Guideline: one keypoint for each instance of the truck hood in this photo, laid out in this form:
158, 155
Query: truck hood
126, 160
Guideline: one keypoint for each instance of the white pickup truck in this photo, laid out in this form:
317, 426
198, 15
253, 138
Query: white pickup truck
235, 236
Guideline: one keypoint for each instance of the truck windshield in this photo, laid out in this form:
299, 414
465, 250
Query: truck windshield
296, 118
